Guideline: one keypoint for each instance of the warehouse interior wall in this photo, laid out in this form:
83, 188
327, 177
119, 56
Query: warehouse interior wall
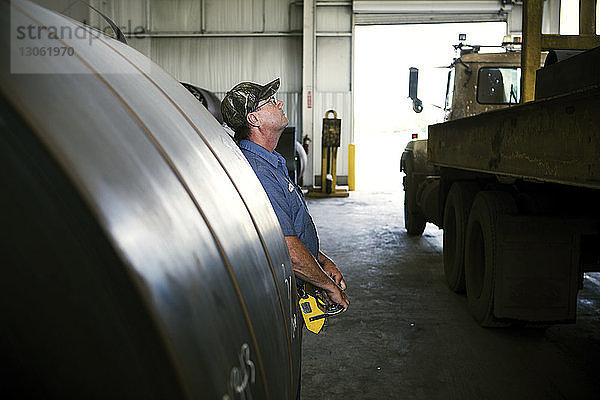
215, 44
212, 44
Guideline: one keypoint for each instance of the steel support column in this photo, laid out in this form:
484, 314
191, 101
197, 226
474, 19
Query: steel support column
532, 46
587, 17
308, 78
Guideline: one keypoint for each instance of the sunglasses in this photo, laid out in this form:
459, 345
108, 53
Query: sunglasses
271, 100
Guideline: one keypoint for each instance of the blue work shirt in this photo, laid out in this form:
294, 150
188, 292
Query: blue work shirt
285, 196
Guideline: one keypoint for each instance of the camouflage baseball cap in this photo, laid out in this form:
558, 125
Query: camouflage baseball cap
243, 99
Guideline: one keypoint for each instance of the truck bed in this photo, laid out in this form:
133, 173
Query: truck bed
553, 140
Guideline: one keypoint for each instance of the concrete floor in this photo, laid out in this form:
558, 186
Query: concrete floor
407, 336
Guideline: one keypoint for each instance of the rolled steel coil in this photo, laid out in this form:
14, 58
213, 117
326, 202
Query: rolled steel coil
140, 255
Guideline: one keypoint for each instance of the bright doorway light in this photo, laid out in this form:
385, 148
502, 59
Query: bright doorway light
569, 17
383, 115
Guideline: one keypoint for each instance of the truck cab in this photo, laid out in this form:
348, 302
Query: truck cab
477, 83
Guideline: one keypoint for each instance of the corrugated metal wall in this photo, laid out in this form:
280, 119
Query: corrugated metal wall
215, 44
218, 63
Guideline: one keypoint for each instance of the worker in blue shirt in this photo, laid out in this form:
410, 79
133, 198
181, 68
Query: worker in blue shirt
258, 120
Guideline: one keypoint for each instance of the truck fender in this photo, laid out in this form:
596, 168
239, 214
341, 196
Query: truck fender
414, 158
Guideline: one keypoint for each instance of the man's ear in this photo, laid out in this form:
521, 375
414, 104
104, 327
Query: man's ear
252, 119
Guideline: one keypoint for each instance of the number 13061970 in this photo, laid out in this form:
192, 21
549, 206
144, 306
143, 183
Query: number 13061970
56, 51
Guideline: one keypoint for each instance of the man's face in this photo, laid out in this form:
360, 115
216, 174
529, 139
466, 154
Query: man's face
270, 114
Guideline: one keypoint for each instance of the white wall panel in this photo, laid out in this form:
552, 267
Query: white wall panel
295, 15
234, 15
334, 64
175, 15
129, 15
342, 104
219, 63
283, 15
276, 15
334, 19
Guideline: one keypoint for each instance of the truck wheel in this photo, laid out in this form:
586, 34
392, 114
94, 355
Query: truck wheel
481, 253
414, 220
456, 215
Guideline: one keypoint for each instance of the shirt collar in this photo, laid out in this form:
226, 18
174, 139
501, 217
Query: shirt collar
272, 158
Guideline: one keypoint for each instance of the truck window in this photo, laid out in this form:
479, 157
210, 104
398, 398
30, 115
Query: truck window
499, 85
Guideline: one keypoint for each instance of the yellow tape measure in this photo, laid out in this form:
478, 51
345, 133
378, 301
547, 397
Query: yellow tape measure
315, 308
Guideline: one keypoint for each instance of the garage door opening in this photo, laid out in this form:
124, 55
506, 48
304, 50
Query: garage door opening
383, 115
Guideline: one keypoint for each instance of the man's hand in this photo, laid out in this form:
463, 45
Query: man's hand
332, 270
338, 296
321, 272
334, 273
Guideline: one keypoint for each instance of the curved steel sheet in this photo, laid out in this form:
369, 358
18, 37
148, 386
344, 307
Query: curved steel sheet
243, 178
177, 204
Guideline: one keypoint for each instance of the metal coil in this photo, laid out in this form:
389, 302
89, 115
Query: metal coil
140, 255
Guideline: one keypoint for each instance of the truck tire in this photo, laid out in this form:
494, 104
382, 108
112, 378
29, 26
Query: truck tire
414, 220
456, 215
482, 252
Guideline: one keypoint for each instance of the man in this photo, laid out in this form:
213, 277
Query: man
258, 120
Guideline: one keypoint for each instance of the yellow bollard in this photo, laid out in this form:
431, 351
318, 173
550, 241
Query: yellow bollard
351, 166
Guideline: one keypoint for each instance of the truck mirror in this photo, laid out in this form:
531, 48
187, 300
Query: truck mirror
413, 82
417, 105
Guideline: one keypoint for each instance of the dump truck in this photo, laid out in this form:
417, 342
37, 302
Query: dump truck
516, 191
